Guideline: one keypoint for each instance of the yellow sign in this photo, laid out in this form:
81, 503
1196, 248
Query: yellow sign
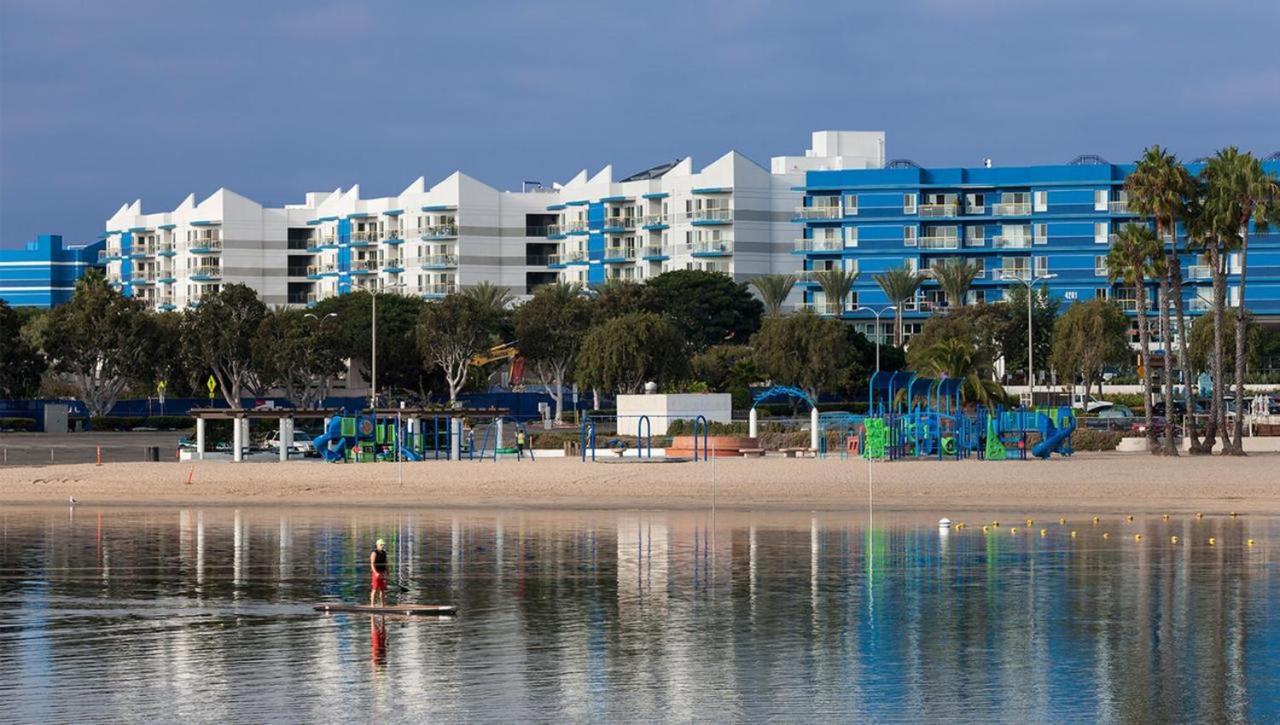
212, 385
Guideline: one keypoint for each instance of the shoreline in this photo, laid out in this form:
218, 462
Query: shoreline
1099, 482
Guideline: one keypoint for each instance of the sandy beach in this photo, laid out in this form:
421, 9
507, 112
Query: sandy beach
1114, 482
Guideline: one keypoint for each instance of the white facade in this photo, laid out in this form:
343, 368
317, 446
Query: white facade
732, 216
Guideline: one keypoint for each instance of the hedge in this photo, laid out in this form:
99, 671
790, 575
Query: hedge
122, 423
17, 424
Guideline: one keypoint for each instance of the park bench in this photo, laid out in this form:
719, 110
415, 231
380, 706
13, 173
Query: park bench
751, 452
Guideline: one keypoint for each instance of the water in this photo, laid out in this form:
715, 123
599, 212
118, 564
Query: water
204, 614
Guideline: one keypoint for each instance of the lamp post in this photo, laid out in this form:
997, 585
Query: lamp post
879, 329
1029, 282
373, 356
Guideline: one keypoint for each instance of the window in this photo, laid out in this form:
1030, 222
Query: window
850, 236
975, 236
1041, 233
908, 236
912, 264
1100, 293
908, 203
850, 265
1100, 266
1041, 265
1100, 200
1100, 233
975, 203
1041, 201
851, 205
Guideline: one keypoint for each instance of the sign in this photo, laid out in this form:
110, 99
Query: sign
160, 386
212, 385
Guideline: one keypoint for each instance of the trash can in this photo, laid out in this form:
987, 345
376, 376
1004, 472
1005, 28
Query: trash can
151, 454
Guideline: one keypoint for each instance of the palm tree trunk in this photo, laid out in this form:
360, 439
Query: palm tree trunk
1184, 359
1241, 320
1168, 446
1215, 355
1144, 345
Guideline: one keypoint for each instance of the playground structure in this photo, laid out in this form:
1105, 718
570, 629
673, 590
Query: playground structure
407, 434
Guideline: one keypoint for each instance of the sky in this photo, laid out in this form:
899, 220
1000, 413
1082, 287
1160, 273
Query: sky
105, 102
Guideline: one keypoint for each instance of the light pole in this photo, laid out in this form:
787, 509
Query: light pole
879, 329
373, 356
1029, 282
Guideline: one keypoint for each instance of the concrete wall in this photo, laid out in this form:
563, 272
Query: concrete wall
662, 409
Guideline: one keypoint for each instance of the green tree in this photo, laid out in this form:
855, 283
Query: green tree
1012, 337
1160, 187
297, 352
727, 369
102, 340
956, 360
956, 276
900, 285
624, 353
807, 351
400, 369
219, 334
710, 307
837, 285
1087, 338
1130, 260
774, 290
453, 330
618, 297
980, 326
1202, 344
491, 295
21, 365
549, 329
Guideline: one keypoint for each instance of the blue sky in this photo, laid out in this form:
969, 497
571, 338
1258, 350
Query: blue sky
104, 102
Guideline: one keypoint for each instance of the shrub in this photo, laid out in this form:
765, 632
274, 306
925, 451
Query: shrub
17, 424
1085, 439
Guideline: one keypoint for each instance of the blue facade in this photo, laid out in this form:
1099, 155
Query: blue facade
1017, 221
44, 272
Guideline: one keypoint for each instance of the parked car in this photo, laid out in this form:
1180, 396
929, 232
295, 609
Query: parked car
1157, 424
301, 443
1111, 416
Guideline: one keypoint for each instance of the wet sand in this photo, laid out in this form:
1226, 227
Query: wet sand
1098, 482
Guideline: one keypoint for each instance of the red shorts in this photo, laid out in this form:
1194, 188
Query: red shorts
379, 581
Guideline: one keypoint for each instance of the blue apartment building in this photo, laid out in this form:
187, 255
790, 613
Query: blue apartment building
43, 273
1019, 222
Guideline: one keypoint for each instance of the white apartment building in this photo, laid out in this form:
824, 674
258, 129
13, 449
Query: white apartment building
732, 216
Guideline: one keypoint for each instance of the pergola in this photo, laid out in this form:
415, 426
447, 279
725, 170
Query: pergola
286, 416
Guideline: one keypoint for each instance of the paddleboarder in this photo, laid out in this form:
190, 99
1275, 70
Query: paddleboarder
378, 565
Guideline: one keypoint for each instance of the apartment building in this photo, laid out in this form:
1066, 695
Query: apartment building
732, 216
43, 272
1052, 224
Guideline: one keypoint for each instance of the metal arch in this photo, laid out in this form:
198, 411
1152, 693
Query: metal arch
778, 391
902, 164
1088, 160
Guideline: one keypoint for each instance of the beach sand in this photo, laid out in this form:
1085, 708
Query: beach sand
1096, 482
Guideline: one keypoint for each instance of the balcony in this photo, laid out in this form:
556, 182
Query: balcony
576, 257
1011, 209
619, 224
165, 303
166, 277
655, 222
392, 237
619, 255
393, 265
165, 250
819, 212
555, 261
555, 231
939, 241
440, 289
822, 244
1199, 272
108, 255
437, 261
712, 249
141, 252
205, 246
321, 243
938, 210
710, 217
362, 239
206, 274
1007, 273
1003, 242
654, 253
144, 280
439, 231
316, 271
1120, 207
578, 227
823, 308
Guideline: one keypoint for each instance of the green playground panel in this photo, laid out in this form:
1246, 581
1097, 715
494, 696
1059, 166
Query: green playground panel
348, 429
995, 448
876, 436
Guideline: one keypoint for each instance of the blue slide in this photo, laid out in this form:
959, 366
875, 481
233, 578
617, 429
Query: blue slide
1054, 439
332, 433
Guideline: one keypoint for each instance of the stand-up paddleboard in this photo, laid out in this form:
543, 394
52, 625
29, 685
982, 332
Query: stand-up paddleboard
438, 610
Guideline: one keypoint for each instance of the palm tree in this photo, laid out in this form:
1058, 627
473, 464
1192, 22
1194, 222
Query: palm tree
1160, 187
489, 294
899, 285
836, 285
1130, 260
956, 276
774, 290
1245, 193
957, 359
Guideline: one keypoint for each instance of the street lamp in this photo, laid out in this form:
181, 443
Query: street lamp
879, 329
373, 357
321, 319
1029, 282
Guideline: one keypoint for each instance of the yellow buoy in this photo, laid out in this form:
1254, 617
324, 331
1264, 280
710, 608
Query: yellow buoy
1044, 532
1129, 517
1062, 520
1029, 523
1250, 542
1013, 530
1096, 520
985, 529
1234, 514
1212, 541
1165, 517
1173, 539
1073, 534
995, 523
1199, 515
1137, 537
1106, 535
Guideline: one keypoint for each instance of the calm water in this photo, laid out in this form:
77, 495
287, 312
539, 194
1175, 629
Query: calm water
204, 614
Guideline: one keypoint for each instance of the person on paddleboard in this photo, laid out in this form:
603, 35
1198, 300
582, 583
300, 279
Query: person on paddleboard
378, 564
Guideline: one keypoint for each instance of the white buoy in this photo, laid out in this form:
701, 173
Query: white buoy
944, 523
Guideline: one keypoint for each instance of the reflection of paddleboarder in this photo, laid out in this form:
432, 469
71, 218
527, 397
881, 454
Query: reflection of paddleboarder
378, 640
378, 564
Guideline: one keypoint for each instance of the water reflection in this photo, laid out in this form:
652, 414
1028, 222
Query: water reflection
204, 614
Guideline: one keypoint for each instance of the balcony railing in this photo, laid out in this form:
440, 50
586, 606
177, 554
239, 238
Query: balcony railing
575, 227
711, 216
440, 289
823, 308
823, 211
206, 274
362, 238
555, 231
821, 244
1000, 273
1011, 209
619, 254
204, 246
1120, 207
938, 210
711, 249
1100, 270
316, 270
619, 223
366, 266
1199, 271
655, 220
939, 241
437, 261
1003, 242
439, 231
654, 251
